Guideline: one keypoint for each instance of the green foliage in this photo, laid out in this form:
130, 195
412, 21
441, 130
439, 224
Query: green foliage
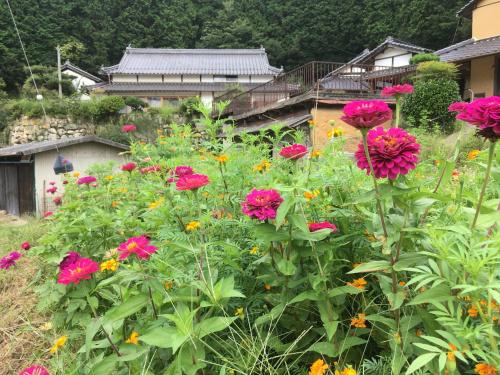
47, 83
135, 103
423, 57
293, 32
428, 105
430, 70
107, 108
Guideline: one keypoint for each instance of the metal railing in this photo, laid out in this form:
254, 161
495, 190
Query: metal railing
333, 79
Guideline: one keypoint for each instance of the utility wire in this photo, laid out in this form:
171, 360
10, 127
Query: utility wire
25, 55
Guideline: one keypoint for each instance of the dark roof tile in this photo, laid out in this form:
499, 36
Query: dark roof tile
469, 49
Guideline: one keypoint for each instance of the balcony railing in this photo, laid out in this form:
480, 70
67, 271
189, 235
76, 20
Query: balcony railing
332, 79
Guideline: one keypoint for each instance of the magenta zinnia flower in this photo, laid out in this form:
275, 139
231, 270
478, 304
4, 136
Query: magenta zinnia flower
128, 167
136, 245
69, 259
9, 260
57, 201
191, 182
294, 152
86, 180
151, 169
52, 189
127, 128
393, 152
313, 227
366, 114
35, 370
26, 245
180, 171
457, 107
262, 204
47, 214
397, 90
484, 113
81, 269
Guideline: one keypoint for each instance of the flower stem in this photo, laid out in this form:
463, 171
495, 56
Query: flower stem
491, 153
375, 184
398, 111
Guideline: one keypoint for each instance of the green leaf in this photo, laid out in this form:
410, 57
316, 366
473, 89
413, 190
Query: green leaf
268, 232
318, 235
421, 361
212, 325
349, 342
164, 337
308, 295
127, 308
283, 211
106, 366
341, 290
324, 348
286, 267
90, 332
439, 293
299, 222
376, 265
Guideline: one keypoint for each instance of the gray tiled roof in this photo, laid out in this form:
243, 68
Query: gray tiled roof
69, 66
177, 87
466, 10
193, 61
469, 49
36, 147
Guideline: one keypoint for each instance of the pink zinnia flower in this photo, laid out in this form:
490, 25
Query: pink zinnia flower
393, 152
52, 190
26, 245
127, 128
35, 370
294, 152
262, 204
484, 113
81, 269
57, 201
457, 107
128, 167
180, 171
9, 260
151, 169
397, 90
86, 180
136, 245
313, 227
366, 114
191, 182
47, 214
69, 259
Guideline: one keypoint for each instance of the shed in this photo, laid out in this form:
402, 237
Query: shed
27, 169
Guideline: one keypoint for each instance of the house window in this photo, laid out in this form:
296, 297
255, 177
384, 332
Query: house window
154, 101
225, 78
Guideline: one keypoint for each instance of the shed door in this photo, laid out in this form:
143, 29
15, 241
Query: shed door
9, 198
26, 183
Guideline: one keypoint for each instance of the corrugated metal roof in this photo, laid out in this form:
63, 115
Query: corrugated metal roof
177, 87
470, 49
193, 61
36, 147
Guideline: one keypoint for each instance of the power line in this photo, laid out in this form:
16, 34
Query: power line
25, 55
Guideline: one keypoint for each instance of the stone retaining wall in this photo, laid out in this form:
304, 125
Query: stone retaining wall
27, 130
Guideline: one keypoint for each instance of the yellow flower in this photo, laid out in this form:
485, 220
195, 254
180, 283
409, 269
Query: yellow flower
114, 204
168, 284
346, 371
254, 250
108, 178
359, 321
157, 203
59, 343
76, 174
318, 367
311, 123
485, 369
222, 158
133, 338
205, 194
239, 312
473, 154
335, 133
109, 265
47, 326
311, 194
358, 283
315, 154
263, 166
192, 225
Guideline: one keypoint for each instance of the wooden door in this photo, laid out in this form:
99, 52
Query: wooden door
9, 192
26, 183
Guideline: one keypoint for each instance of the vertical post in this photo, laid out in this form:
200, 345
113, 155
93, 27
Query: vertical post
58, 49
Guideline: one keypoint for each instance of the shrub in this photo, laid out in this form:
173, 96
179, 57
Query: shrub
107, 107
430, 101
135, 103
436, 70
423, 57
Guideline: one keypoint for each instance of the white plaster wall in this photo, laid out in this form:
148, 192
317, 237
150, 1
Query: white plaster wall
191, 78
150, 78
81, 155
124, 78
402, 60
245, 79
207, 98
389, 52
259, 79
171, 79
207, 78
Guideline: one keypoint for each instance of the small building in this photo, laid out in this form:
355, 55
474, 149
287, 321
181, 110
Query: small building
80, 78
478, 58
27, 169
160, 75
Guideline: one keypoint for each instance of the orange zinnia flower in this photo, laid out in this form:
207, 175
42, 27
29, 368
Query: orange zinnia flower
318, 367
358, 283
359, 321
485, 369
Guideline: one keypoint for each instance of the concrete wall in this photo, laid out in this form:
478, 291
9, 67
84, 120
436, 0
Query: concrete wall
482, 75
81, 155
322, 117
486, 19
